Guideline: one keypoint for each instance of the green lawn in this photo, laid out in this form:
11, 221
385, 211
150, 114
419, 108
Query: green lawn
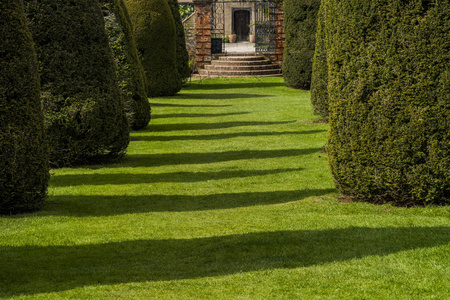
226, 195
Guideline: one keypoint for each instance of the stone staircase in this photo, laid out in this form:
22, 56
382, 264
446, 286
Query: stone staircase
240, 65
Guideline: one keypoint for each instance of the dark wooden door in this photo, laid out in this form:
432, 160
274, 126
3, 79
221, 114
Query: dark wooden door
241, 21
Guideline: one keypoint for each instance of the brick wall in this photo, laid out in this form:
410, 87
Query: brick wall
279, 35
202, 9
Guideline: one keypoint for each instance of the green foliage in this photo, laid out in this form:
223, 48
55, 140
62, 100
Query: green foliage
181, 51
130, 73
24, 171
185, 10
300, 28
84, 111
389, 87
155, 35
319, 80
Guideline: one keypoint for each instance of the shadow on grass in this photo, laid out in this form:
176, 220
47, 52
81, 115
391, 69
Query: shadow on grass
206, 126
218, 96
33, 269
167, 159
98, 205
220, 136
188, 105
234, 85
116, 179
188, 115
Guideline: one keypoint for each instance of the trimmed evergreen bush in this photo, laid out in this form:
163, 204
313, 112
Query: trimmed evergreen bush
300, 20
181, 51
84, 110
319, 80
154, 30
24, 171
389, 88
130, 73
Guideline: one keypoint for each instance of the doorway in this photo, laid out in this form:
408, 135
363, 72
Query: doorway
241, 22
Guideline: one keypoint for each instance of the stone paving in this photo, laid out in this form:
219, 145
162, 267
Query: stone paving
240, 47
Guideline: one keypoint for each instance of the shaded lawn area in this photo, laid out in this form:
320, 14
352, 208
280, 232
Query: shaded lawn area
227, 194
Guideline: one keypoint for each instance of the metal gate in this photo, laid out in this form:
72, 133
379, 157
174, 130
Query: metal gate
265, 27
262, 24
217, 26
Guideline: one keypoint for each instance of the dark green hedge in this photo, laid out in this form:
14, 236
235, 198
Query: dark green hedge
154, 30
130, 72
24, 171
319, 80
300, 21
389, 88
181, 51
84, 110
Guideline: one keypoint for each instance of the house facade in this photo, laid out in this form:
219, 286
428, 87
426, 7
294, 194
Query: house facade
259, 22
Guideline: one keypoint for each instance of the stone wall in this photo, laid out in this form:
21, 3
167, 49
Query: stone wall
189, 33
231, 7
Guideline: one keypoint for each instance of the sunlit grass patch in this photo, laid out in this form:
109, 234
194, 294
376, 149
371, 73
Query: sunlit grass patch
227, 194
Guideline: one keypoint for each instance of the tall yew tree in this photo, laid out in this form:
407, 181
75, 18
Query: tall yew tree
24, 171
181, 51
319, 80
154, 30
389, 88
130, 72
300, 20
84, 110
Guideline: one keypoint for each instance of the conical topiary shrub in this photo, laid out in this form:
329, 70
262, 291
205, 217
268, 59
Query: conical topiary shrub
24, 171
154, 30
319, 80
130, 73
84, 111
389, 87
300, 20
181, 51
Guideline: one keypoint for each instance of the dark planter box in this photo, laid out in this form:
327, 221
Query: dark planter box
216, 45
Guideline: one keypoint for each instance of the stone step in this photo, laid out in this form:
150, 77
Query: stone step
242, 58
217, 55
241, 67
240, 62
215, 76
223, 73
